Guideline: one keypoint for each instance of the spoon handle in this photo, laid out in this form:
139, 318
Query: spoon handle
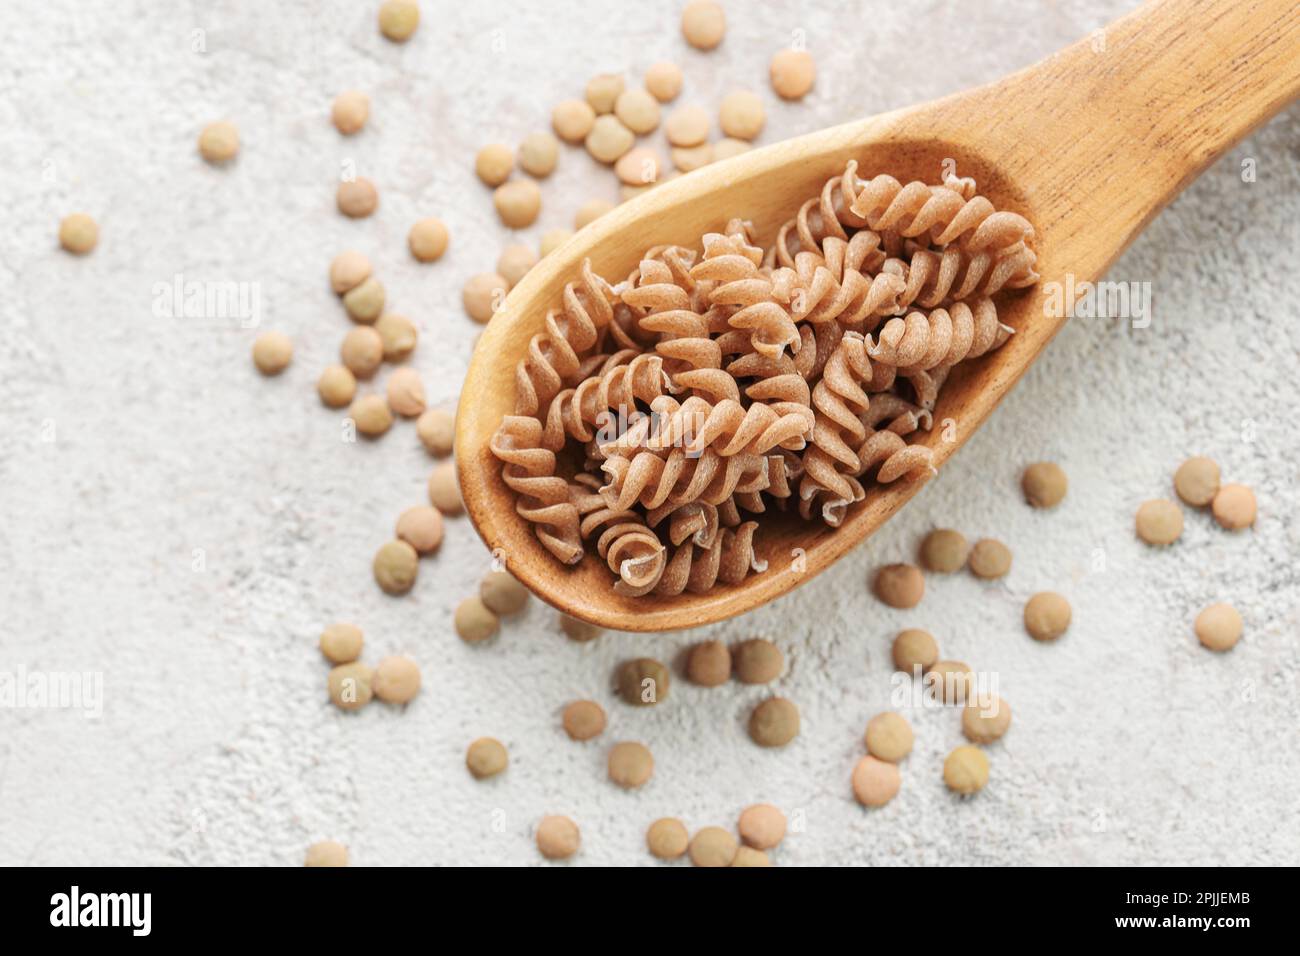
1105, 133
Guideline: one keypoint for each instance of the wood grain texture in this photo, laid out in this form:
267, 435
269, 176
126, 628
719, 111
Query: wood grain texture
1089, 145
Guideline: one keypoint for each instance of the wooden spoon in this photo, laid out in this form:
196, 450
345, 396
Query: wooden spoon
1089, 145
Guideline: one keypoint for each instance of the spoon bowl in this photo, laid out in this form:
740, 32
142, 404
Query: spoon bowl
1088, 145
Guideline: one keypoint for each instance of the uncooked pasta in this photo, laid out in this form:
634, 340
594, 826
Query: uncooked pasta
658, 419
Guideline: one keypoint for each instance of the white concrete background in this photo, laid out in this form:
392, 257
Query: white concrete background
1130, 743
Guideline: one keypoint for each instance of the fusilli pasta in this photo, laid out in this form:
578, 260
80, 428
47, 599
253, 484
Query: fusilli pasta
729, 379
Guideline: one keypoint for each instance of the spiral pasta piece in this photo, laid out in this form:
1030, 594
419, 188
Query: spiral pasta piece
544, 500
606, 400
952, 274
694, 358
816, 500
726, 428
894, 458
941, 213
824, 217
729, 559
697, 521
923, 340
733, 268
651, 479
587, 307
630, 548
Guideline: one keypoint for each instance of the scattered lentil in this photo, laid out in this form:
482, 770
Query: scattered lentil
494, 163
713, 846
341, 643
985, 720
630, 764
583, 719
989, 559
639, 167
365, 302
357, 198
602, 92
774, 722
1197, 481
483, 294
609, 139
643, 682
915, 648
399, 336
793, 73
348, 270
538, 154
371, 415
1234, 507
1218, 627
966, 770
428, 239
514, 263
757, 661
944, 550
395, 567
761, 826
444, 489
558, 837
272, 352
690, 158
875, 782
518, 203
350, 111
952, 680
349, 685
326, 853
1047, 616
578, 630
398, 19
741, 115
664, 81
421, 528
667, 838
396, 679
572, 120
486, 757
637, 110
687, 126
709, 664
703, 24
78, 233
1044, 484
899, 585
502, 593
219, 142
473, 621
362, 350
436, 429
1159, 521
889, 736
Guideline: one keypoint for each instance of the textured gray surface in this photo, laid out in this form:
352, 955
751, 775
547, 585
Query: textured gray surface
129, 442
